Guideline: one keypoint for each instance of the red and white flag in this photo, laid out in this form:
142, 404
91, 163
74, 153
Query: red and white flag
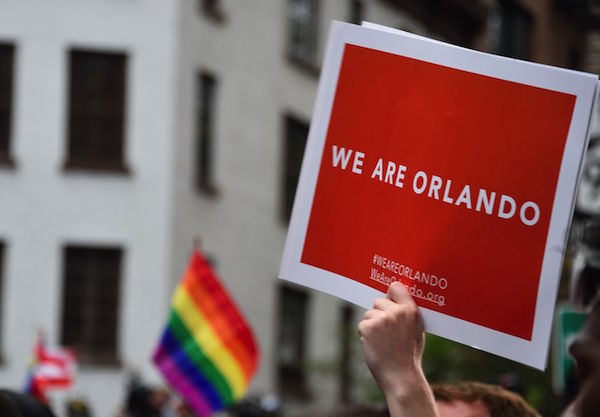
50, 369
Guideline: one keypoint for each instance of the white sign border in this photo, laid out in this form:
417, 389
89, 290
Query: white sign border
583, 86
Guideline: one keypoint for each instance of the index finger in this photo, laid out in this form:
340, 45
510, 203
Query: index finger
399, 294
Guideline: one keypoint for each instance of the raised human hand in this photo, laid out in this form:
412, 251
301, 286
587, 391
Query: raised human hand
392, 340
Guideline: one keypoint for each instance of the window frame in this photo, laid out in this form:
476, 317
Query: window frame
3, 250
347, 332
213, 10
76, 159
88, 351
356, 11
287, 203
205, 118
508, 20
303, 54
292, 379
6, 158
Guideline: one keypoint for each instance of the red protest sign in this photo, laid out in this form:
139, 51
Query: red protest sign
448, 170
448, 133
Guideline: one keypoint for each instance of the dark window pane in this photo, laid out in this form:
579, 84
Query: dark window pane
510, 30
347, 330
212, 9
302, 29
97, 110
1, 289
296, 133
356, 12
90, 302
6, 91
291, 361
205, 115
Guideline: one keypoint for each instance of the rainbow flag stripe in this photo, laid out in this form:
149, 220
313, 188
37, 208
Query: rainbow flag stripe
207, 351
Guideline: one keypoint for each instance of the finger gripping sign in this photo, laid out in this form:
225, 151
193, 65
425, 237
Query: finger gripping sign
448, 170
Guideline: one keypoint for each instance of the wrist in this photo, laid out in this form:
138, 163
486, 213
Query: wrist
403, 383
410, 391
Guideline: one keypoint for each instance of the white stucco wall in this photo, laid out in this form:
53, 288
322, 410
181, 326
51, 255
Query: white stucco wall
45, 208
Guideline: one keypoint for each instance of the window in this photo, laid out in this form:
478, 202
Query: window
6, 87
205, 119
356, 11
302, 30
510, 26
90, 300
1, 289
96, 111
212, 9
291, 346
296, 133
575, 56
347, 331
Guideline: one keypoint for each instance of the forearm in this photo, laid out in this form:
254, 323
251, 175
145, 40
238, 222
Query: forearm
392, 339
410, 396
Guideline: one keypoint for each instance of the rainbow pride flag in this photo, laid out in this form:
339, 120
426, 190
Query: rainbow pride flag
207, 351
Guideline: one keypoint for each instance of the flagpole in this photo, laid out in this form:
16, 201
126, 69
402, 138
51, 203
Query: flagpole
197, 243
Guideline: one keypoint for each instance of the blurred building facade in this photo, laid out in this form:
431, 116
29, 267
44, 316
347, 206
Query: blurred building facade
87, 121
129, 128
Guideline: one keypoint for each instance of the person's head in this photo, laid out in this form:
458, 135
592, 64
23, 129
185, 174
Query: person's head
14, 404
7, 407
159, 398
475, 399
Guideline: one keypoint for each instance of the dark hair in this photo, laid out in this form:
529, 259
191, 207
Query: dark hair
7, 408
499, 402
13, 404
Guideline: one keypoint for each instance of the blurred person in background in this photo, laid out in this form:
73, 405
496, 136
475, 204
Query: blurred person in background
145, 401
78, 407
392, 338
585, 351
13, 404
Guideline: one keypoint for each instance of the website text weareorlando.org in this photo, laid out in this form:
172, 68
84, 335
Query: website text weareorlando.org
383, 264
